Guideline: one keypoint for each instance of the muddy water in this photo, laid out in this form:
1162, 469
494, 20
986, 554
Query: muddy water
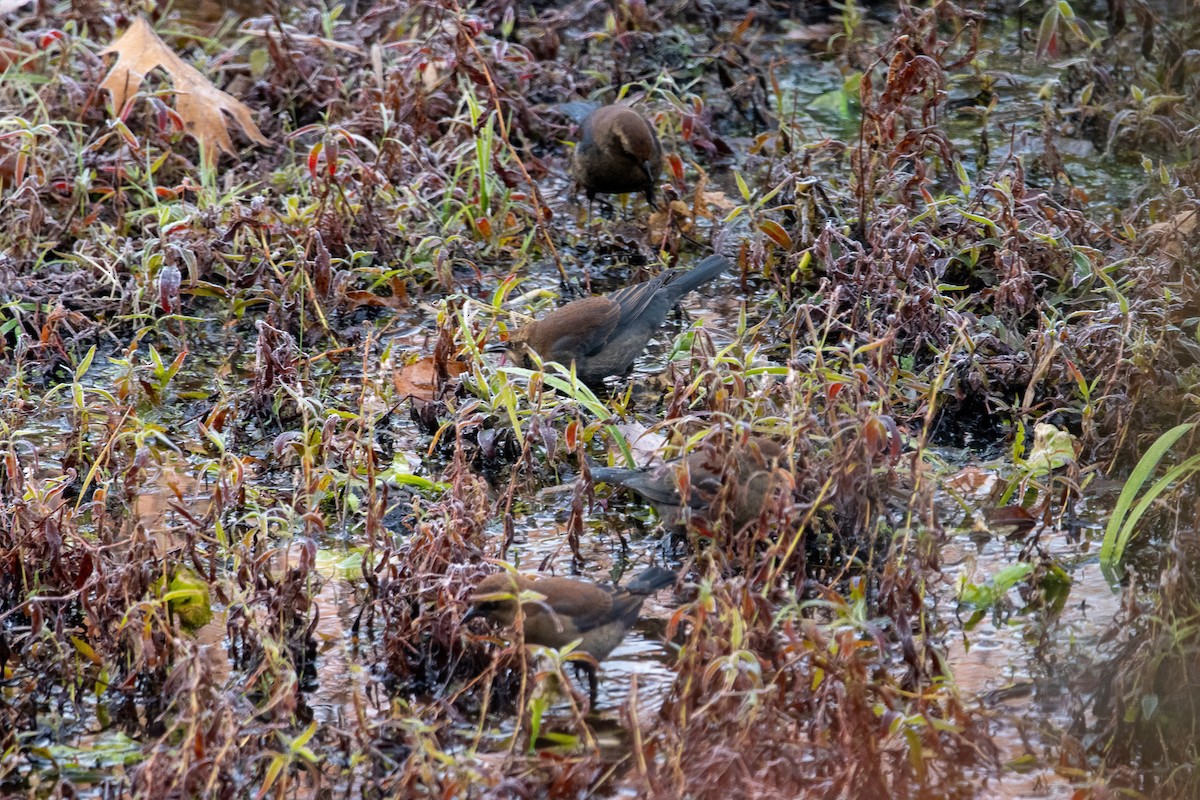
1016, 665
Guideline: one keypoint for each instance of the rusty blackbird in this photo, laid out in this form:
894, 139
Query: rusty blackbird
603, 335
756, 475
569, 610
618, 152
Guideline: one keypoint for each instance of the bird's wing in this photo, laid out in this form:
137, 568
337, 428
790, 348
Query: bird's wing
579, 329
633, 300
587, 605
657, 485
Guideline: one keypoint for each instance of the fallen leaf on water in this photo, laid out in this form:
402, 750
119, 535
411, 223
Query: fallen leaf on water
719, 200
820, 33
1016, 516
676, 214
199, 104
971, 480
419, 379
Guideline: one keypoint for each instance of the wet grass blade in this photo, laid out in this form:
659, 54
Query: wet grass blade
1126, 514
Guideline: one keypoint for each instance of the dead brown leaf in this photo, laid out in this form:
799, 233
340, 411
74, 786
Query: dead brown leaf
719, 200
1170, 234
199, 104
419, 379
672, 216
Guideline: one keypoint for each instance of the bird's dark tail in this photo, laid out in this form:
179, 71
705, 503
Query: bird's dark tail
578, 110
613, 476
683, 282
651, 580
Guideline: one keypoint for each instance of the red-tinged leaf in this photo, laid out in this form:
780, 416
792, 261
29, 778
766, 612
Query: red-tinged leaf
1047, 41
776, 233
286, 440
331, 157
216, 420
833, 390
176, 364
85, 570
689, 125
163, 193
177, 123
572, 435
314, 158
49, 38
127, 135
875, 435
160, 114
893, 433
484, 226
740, 31
399, 292
676, 165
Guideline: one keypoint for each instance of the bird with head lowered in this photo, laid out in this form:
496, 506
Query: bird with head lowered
735, 483
560, 611
602, 336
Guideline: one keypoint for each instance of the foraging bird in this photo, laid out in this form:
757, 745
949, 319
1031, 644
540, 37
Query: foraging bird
758, 472
598, 616
603, 335
617, 152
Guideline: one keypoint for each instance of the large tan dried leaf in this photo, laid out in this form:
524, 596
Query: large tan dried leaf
420, 379
1171, 234
200, 104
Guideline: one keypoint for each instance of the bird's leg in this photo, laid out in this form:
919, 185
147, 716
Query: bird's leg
593, 685
607, 209
584, 668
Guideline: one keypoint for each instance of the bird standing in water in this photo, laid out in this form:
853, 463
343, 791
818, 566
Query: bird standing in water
758, 475
603, 335
569, 610
618, 152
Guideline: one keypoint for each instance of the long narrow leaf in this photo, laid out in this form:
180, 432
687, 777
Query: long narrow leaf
1109, 556
1161, 485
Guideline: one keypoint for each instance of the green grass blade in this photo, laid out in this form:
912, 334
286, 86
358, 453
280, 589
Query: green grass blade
1110, 555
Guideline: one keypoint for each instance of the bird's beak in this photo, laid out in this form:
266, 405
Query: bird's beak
496, 347
472, 613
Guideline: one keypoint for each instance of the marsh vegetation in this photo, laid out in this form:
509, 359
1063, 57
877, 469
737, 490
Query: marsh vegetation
938, 531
